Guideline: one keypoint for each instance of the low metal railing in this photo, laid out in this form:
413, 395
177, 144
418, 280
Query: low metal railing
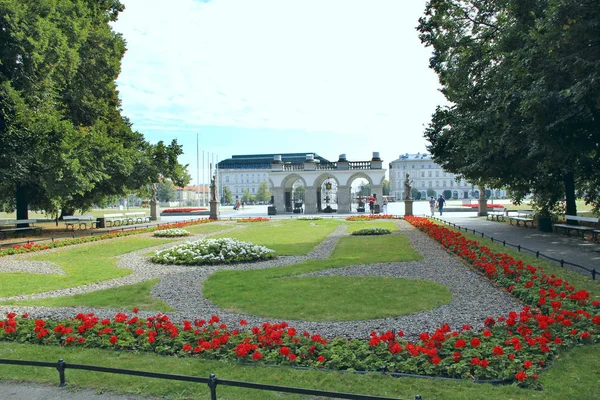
212, 381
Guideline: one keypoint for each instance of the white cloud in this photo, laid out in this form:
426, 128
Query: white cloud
342, 66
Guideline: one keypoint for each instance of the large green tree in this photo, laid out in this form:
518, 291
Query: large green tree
64, 144
522, 79
263, 193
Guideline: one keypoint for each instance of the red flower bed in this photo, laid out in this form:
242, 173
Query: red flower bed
371, 217
488, 205
257, 219
183, 210
514, 347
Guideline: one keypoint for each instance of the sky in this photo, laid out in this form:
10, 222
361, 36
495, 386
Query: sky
227, 77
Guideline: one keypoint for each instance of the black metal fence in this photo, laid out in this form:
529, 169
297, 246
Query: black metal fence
593, 272
212, 381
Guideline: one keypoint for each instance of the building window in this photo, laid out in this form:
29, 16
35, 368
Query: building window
437, 174
422, 174
430, 174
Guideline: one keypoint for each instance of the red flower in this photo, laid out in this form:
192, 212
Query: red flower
497, 351
321, 359
521, 376
460, 343
585, 335
475, 342
284, 351
292, 357
483, 363
243, 322
257, 355
136, 310
186, 347
527, 364
436, 360
113, 339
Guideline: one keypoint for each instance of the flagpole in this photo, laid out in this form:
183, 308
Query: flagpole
198, 169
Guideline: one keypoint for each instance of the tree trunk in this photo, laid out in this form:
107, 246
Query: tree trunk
570, 195
22, 205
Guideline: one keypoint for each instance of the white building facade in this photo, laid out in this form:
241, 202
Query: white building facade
247, 172
429, 179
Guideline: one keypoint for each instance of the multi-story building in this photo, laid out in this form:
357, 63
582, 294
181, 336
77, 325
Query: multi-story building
246, 172
429, 179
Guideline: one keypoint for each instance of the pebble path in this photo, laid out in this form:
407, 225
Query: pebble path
474, 298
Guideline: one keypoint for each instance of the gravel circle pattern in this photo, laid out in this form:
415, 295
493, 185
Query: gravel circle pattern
474, 298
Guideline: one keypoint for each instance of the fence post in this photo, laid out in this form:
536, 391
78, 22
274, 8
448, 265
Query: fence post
519, 248
562, 263
212, 384
60, 367
594, 274
537, 254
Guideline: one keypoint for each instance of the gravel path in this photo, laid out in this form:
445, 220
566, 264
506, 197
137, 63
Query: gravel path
474, 298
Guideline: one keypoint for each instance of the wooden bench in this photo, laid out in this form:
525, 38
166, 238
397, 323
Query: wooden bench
12, 225
524, 216
82, 221
497, 214
137, 217
581, 230
115, 219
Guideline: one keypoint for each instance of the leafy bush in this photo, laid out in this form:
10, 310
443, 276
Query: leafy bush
213, 251
174, 232
371, 231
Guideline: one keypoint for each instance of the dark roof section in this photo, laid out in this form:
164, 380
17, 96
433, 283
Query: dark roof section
263, 161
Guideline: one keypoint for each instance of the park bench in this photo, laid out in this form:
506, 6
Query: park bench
115, 219
12, 225
81, 220
497, 214
524, 216
580, 229
137, 217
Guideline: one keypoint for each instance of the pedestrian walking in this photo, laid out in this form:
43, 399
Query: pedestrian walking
432, 206
441, 203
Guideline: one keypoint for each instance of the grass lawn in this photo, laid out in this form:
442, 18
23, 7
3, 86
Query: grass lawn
575, 375
335, 298
203, 229
120, 298
288, 237
90, 263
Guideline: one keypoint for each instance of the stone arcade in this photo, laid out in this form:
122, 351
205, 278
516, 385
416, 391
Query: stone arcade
314, 174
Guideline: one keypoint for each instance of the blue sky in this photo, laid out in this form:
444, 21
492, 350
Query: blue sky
268, 76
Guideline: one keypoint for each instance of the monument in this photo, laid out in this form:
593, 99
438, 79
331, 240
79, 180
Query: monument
214, 201
408, 202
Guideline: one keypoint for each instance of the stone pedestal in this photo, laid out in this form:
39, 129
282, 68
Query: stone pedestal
408, 207
154, 214
214, 209
482, 207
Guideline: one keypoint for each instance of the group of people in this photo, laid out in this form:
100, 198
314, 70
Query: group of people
440, 203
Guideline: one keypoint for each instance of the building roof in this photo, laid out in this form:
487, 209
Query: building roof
263, 161
413, 157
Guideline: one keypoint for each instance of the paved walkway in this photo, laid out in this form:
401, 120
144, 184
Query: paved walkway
558, 246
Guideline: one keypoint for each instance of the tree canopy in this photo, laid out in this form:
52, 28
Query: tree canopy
64, 143
522, 78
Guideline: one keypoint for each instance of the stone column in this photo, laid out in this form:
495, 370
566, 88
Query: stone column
343, 199
310, 200
278, 199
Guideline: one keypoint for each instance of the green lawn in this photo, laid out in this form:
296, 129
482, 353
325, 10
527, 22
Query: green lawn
575, 375
209, 228
82, 265
338, 298
120, 298
288, 237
